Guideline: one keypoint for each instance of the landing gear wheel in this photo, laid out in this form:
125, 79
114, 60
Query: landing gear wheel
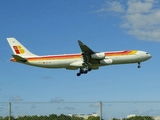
82, 71
78, 74
85, 72
139, 66
89, 69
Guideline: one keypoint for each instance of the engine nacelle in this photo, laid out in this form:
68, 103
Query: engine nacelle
106, 61
98, 56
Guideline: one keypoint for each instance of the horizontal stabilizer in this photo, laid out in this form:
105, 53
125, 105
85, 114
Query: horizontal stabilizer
19, 58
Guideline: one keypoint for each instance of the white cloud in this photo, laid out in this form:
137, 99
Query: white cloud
66, 108
57, 99
140, 18
149, 112
33, 106
139, 6
114, 6
69, 108
95, 105
16, 98
143, 24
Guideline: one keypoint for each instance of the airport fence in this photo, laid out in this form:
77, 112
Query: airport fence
107, 110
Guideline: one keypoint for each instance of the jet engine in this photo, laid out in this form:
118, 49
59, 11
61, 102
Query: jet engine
106, 61
98, 56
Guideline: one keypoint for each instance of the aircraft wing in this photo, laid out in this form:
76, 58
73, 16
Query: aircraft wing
86, 53
85, 48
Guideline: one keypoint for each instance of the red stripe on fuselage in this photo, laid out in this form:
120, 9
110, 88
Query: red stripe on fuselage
74, 56
118, 53
56, 57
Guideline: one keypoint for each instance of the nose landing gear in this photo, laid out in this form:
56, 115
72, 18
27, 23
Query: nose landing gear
139, 66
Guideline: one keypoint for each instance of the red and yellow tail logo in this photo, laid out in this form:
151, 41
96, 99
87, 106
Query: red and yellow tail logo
18, 49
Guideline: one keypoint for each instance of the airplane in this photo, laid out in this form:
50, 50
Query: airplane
85, 61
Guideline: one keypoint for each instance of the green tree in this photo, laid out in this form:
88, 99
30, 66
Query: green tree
77, 118
46, 118
140, 118
7, 118
93, 118
1, 118
63, 117
115, 119
52, 117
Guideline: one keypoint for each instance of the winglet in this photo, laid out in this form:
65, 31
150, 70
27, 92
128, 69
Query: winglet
85, 48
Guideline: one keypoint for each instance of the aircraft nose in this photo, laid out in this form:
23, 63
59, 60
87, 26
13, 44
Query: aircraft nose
143, 56
149, 55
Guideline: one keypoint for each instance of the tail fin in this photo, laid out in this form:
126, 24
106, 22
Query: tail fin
18, 48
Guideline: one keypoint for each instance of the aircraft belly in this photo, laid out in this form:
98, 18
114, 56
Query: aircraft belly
51, 63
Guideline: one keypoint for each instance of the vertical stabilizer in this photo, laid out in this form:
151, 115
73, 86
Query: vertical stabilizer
18, 48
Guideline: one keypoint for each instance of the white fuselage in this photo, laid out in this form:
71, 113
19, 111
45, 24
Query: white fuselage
86, 61
65, 61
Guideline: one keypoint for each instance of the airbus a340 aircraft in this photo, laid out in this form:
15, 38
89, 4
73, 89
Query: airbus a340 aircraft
85, 61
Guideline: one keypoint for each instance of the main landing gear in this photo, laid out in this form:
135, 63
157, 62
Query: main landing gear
139, 66
82, 71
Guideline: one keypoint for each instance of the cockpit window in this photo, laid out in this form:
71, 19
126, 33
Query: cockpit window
147, 53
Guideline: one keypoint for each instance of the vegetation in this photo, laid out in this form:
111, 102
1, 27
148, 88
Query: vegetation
50, 117
93, 118
136, 118
65, 117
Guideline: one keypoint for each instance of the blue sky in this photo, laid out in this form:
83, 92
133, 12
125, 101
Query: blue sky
53, 27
